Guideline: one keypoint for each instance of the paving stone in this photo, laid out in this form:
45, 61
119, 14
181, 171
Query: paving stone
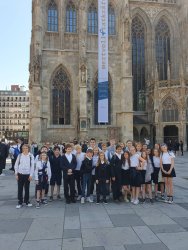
94, 248
15, 225
45, 228
114, 248
167, 228
72, 211
71, 233
72, 222
109, 237
175, 241
145, 234
126, 220
182, 221
11, 241
42, 245
157, 219
184, 205
72, 244
120, 211
153, 246
174, 211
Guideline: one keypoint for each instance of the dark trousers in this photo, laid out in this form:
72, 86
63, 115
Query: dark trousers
86, 183
116, 188
92, 184
23, 182
101, 189
2, 165
13, 161
69, 186
78, 179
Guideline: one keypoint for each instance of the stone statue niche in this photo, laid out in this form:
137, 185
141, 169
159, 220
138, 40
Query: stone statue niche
83, 75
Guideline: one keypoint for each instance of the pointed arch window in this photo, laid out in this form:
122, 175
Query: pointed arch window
162, 48
111, 21
61, 98
138, 64
52, 17
71, 18
96, 102
92, 20
169, 110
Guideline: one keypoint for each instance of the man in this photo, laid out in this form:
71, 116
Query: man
111, 149
4, 151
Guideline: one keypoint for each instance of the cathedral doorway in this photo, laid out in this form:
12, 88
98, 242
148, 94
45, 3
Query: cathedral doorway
171, 133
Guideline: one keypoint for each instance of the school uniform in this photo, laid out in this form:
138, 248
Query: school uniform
135, 175
102, 174
143, 172
86, 170
94, 163
77, 174
42, 174
116, 164
167, 161
155, 175
125, 173
149, 170
24, 168
56, 171
69, 162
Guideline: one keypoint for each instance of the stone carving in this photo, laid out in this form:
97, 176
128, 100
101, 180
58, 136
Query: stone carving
83, 75
36, 67
152, 12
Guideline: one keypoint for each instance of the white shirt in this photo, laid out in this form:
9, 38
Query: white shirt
156, 161
134, 160
125, 166
144, 165
24, 164
69, 157
118, 155
79, 158
39, 166
167, 158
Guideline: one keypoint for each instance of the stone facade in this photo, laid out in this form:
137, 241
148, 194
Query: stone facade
76, 54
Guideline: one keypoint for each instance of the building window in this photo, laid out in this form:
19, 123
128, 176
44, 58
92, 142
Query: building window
162, 48
92, 20
169, 110
71, 19
52, 17
61, 98
95, 108
138, 64
111, 21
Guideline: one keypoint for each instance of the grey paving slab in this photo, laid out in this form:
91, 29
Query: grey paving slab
93, 248
120, 211
114, 248
15, 225
145, 234
72, 222
175, 241
109, 237
45, 228
183, 221
72, 244
11, 241
42, 245
174, 211
157, 219
126, 220
184, 205
71, 233
171, 228
154, 246
72, 210
140, 211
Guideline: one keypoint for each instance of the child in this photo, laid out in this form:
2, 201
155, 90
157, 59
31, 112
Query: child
102, 174
94, 163
139, 148
125, 174
56, 177
68, 166
42, 176
149, 172
116, 164
80, 156
86, 171
143, 173
167, 168
155, 176
135, 174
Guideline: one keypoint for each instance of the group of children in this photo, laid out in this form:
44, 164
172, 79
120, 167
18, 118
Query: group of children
126, 170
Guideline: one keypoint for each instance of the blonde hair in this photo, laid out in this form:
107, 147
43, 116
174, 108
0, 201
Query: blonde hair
77, 146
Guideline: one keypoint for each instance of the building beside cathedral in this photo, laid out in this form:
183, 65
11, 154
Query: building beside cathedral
148, 70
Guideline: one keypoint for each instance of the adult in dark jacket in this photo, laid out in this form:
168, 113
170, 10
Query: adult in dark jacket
4, 151
68, 166
116, 165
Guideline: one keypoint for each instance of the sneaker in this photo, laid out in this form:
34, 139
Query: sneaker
19, 206
143, 201
105, 202
82, 200
58, 197
136, 202
79, 197
2, 175
98, 201
51, 198
44, 202
37, 205
89, 199
170, 200
167, 199
156, 198
126, 200
29, 204
132, 201
162, 197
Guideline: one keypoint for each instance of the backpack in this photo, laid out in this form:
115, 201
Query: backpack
16, 152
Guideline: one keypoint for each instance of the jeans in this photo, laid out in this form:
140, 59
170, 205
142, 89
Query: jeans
86, 183
78, 180
23, 182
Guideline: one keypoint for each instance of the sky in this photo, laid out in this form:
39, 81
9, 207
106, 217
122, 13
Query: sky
15, 35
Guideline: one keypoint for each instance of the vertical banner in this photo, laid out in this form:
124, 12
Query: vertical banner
103, 61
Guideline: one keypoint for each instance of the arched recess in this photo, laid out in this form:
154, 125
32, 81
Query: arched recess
52, 16
136, 137
61, 97
143, 134
95, 100
170, 110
